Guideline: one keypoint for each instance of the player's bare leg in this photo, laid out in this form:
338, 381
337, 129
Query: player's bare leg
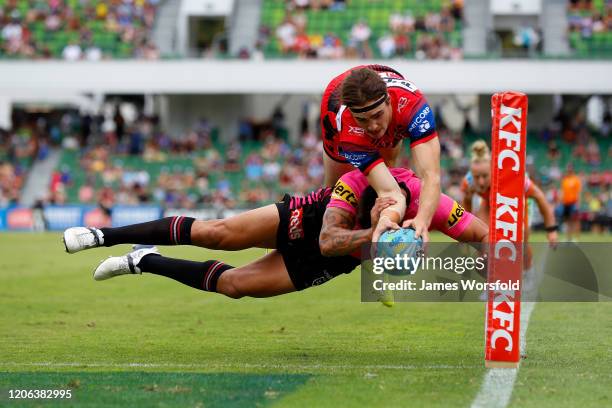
264, 277
255, 228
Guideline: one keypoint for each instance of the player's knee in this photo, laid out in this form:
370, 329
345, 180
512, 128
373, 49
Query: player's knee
229, 285
212, 234
219, 233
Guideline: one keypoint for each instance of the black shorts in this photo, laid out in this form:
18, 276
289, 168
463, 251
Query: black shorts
297, 239
569, 210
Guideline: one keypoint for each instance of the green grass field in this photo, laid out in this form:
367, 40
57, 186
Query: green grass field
148, 341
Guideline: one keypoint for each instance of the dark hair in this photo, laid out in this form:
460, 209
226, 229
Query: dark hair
361, 86
367, 200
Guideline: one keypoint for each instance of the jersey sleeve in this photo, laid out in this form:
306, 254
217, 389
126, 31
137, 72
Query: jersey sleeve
347, 191
421, 123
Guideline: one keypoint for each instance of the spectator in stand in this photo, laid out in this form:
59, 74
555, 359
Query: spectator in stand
253, 167
11, 180
93, 53
403, 45
301, 4
386, 46
360, 36
286, 34
302, 44
457, 9
571, 187
331, 47
592, 153
447, 21
13, 31
526, 37
72, 52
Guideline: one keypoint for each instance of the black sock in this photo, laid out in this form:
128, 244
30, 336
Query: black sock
166, 231
199, 275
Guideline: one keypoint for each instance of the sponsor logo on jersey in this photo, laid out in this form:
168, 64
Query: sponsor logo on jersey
455, 214
296, 229
422, 121
401, 104
355, 158
343, 192
356, 130
424, 126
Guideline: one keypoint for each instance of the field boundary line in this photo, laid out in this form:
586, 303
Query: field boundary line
239, 365
498, 383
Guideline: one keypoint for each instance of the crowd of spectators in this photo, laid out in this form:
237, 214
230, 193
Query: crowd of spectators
11, 181
586, 19
571, 133
431, 42
75, 30
20, 147
120, 160
423, 36
139, 163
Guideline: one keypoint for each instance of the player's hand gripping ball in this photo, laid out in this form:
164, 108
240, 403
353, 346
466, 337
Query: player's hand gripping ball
399, 242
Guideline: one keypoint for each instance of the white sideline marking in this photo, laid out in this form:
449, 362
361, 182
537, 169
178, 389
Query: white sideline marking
498, 383
245, 365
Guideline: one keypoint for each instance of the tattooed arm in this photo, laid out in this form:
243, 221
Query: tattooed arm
338, 237
337, 234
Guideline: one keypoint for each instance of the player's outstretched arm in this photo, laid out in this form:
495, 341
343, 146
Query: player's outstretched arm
337, 235
467, 200
427, 165
548, 213
381, 179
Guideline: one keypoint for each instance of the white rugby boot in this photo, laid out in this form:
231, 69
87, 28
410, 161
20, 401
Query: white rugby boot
79, 238
122, 265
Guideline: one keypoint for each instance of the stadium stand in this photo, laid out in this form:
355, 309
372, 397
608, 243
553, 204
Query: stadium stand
590, 28
187, 180
141, 163
75, 30
20, 147
104, 165
193, 171
360, 28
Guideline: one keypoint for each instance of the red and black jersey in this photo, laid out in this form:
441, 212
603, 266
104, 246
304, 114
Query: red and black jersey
345, 141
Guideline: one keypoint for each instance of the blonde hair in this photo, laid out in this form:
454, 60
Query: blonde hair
480, 151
